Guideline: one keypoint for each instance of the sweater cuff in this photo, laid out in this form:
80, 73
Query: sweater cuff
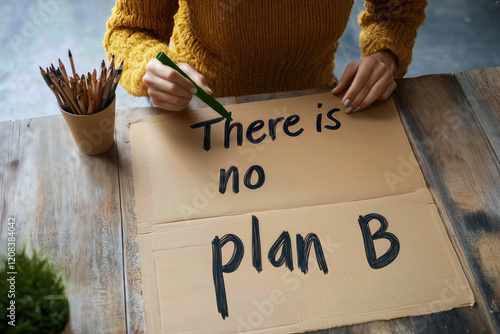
133, 79
395, 37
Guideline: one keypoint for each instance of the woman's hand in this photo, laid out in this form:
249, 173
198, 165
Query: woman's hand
371, 79
170, 90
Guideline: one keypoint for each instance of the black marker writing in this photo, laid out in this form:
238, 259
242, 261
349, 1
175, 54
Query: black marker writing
285, 244
251, 129
256, 251
225, 176
272, 126
290, 121
206, 134
329, 114
319, 119
261, 177
218, 269
337, 123
381, 233
303, 249
254, 127
227, 132
224, 179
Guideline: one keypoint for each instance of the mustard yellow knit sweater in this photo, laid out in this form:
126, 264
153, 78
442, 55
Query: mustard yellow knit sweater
248, 47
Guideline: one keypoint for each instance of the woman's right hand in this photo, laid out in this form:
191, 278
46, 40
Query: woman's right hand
170, 90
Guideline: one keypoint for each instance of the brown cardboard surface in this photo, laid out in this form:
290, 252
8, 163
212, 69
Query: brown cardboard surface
316, 182
350, 163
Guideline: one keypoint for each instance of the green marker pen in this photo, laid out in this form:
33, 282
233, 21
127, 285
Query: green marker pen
202, 95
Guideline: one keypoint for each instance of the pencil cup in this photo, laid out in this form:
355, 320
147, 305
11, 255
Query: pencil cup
93, 134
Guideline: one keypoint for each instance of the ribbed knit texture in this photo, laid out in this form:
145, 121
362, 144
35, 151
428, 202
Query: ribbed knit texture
247, 47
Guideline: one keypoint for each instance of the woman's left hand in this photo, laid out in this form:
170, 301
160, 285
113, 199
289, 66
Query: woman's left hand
371, 79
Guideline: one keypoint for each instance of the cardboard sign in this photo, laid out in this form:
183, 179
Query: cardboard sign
293, 217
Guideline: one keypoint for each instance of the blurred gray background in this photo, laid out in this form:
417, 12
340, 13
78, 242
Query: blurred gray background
457, 35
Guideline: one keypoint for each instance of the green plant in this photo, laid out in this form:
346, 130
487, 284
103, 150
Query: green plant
38, 293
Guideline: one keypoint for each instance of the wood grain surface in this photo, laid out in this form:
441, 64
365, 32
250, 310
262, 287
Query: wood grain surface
482, 91
136, 322
68, 203
463, 169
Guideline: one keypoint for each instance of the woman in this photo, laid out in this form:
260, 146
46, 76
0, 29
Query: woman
241, 47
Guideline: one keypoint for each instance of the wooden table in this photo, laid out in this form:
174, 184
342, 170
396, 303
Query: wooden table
82, 208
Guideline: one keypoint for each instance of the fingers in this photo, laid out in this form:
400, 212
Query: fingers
168, 101
372, 90
366, 77
373, 80
167, 88
195, 76
161, 77
388, 90
378, 92
346, 79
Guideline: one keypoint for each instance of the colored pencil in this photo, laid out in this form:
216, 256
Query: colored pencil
70, 56
86, 94
118, 75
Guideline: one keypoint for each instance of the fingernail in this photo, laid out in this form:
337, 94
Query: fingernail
210, 90
334, 89
347, 102
357, 109
348, 110
194, 90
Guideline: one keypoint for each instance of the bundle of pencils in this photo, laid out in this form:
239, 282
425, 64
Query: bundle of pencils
83, 95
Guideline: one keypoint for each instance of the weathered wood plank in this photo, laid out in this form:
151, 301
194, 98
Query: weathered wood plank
463, 169
69, 203
482, 90
6, 153
136, 322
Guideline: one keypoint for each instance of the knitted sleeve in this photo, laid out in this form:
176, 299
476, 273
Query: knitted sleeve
391, 25
136, 31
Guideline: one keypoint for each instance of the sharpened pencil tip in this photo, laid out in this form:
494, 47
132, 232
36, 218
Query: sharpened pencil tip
69, 53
